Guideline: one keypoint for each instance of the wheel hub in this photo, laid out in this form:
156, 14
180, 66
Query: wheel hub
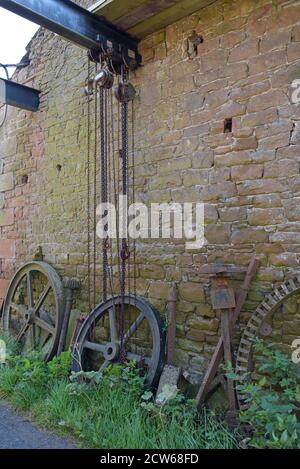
30, 316
112, 351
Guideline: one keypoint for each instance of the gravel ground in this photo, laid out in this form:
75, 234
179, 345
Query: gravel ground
17, 432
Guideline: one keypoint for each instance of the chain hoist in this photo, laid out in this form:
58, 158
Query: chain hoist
101, 88
88, 95
123, 326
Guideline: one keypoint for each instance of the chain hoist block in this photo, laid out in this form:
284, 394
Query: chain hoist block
104, 78
115, 60
125, 92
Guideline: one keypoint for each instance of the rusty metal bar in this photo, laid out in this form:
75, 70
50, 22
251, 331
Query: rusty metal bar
172, 325
19, 96
76, 24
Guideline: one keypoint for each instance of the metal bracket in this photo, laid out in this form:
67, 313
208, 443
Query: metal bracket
103, 39
193, 41
19, 96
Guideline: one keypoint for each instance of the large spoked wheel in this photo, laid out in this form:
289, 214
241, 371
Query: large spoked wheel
98, 343
33, 308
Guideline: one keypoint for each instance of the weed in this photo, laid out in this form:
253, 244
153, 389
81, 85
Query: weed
273, 397
109, 409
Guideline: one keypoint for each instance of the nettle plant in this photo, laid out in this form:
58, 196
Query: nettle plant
273, 396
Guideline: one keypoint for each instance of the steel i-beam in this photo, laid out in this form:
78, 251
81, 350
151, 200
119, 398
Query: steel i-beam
19, 96
78, 25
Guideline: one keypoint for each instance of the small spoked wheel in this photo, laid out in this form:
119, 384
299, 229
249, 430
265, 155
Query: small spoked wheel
33, 308
98, 343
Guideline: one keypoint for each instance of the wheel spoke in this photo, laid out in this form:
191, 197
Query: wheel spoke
42, 298
113, 325
31, 333
44, 325
21, 309
22, 331
44, 339
134, 327
93, 346
29, 290
104, 365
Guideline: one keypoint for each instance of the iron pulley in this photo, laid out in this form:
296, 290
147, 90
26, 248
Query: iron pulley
104, 79
125, 92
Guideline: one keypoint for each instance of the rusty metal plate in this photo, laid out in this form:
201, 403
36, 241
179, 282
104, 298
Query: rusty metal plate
222, 294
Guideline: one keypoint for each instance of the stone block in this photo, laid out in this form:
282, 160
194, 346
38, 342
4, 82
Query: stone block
193, 292
6, 182
265, 216
3, 288
6, 217
7, 248
244, 172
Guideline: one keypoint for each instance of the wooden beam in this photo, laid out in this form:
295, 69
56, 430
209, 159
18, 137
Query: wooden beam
144, 17
143, 12
116, 9
167, 17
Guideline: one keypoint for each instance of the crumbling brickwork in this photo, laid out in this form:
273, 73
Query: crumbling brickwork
248, 178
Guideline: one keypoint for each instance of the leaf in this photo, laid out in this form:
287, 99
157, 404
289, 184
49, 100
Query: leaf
284, 437
147, 396
262, 382
233, 376
26, 364
168, 393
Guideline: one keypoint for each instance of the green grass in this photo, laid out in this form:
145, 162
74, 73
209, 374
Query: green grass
110, 411
112, 417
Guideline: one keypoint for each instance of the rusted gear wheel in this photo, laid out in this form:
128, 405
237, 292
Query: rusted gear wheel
98, 342
257, 326
33, 308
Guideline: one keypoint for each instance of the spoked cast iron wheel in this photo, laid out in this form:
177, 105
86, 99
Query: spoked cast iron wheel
98, 342
260, 325
33, 308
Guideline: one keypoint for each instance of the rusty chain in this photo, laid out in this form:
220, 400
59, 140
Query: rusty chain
89, 185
